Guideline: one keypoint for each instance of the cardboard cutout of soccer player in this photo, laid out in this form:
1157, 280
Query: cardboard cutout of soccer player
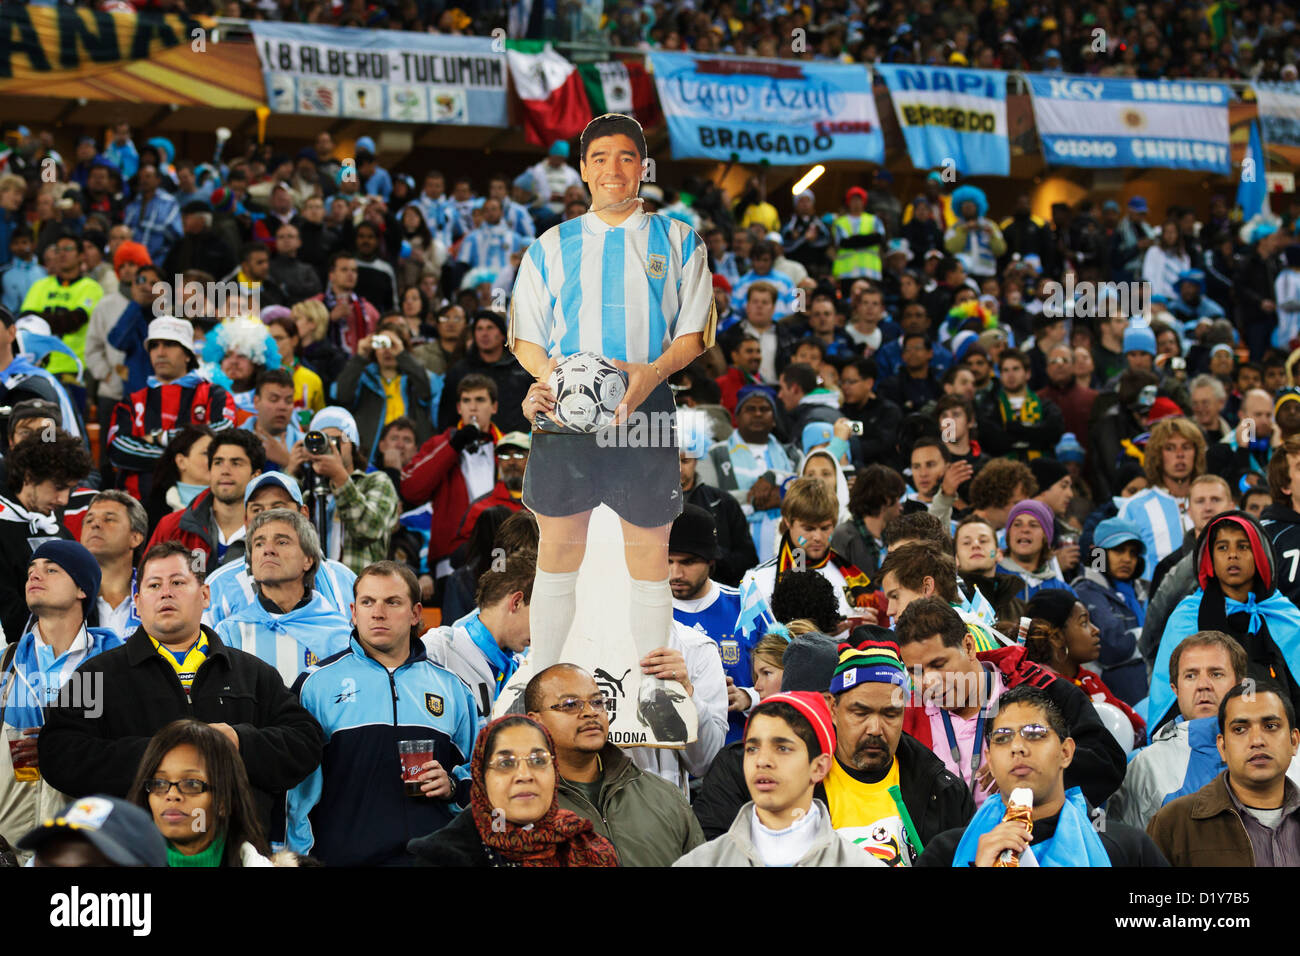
634, 288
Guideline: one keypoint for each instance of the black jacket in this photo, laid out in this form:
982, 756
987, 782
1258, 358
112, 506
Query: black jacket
513, 382
456, 844
1282, 525
1014, 438
738, 552
880, 420
1125, 845
935, 799
206, 251
1254, 284
20, 535
297, 278
97, 750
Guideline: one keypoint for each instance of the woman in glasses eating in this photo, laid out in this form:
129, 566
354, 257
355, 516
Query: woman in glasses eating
193, 784
514, 819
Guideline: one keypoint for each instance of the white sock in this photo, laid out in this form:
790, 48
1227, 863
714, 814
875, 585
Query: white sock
652, 615
550, 615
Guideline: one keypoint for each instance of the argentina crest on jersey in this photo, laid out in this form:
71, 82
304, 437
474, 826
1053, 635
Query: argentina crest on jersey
656, 265
730, 652
433, 704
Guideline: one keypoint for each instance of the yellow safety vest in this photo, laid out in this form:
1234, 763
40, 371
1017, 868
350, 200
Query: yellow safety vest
856, 263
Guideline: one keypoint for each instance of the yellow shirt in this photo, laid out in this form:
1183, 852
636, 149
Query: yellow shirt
865, 815
763, 213
393, 392
186, 665
308, 391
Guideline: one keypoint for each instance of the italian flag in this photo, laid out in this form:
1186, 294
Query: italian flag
622, 87
550, 90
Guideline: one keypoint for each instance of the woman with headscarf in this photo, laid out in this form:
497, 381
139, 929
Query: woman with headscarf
820, 463
514, 818
1238, 595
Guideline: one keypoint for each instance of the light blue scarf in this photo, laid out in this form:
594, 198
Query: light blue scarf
1075, 842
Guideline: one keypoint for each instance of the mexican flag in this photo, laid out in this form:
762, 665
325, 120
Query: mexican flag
622, 87
550, 90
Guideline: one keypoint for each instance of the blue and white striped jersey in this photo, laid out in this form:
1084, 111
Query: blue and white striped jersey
1162, 521
436, 211
517, 217
785, 291
624, 292
489, 247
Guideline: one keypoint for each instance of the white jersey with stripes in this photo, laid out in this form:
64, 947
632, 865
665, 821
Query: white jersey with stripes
624, 292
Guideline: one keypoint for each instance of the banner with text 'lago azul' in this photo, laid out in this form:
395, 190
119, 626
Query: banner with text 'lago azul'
788, 112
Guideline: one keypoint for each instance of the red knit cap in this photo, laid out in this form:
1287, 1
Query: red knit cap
131, 252
720, 282
813, 706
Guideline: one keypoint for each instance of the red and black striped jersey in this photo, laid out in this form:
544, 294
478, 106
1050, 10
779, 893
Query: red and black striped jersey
162, 408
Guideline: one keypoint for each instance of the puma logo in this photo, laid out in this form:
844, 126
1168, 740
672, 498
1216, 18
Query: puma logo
602, 674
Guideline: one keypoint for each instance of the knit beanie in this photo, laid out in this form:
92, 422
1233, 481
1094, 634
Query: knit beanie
812, 706
1040, 513
869, 661
79, 564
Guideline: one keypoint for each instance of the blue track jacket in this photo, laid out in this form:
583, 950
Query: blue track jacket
353, 809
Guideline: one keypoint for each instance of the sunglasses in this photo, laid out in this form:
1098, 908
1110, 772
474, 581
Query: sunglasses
1033, 733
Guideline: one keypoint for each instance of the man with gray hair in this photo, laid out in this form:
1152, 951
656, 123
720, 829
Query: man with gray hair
289, 625
113, 530
1208, 398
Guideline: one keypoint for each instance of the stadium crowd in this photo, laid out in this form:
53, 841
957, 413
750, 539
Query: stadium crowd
1003, 535
1219, 40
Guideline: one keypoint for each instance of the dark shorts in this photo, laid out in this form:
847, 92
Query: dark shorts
635, 469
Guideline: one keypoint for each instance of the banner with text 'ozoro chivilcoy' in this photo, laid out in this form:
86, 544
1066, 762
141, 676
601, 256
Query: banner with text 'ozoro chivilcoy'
788, 112
952, 117
381, 74
1116, 123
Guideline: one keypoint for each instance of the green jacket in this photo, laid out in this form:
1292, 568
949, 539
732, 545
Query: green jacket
644, 816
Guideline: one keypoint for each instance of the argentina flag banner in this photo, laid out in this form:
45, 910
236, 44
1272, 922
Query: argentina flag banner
1114, 123
952, 118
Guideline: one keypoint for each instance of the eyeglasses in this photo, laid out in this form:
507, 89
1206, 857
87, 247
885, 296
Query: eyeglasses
512, 455
537, 760
189, 786
1001, 736
572, 706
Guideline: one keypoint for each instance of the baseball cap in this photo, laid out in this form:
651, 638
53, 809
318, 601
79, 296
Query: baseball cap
168, 329
1137, 204
121, 831
516, 440
1113, 532
273, 478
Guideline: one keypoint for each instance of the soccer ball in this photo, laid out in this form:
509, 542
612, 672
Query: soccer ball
588, 389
